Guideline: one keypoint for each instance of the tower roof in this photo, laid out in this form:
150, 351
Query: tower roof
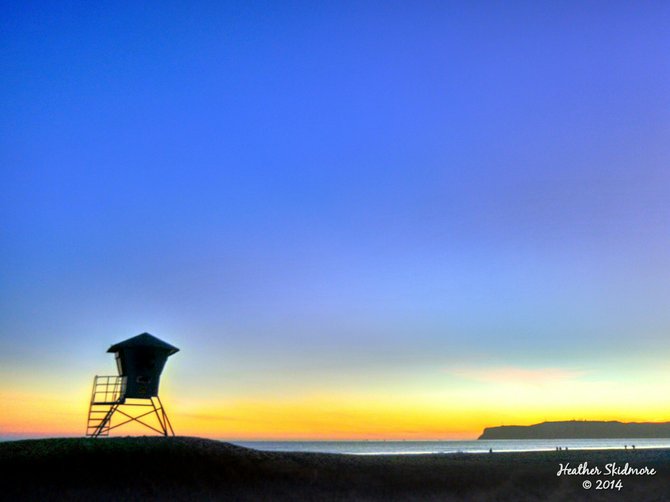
144, 340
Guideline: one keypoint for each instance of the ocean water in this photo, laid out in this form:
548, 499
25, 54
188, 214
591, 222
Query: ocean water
433, 447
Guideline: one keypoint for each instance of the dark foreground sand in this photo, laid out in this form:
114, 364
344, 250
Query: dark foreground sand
151, 468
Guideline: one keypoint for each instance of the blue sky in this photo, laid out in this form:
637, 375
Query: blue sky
307, 190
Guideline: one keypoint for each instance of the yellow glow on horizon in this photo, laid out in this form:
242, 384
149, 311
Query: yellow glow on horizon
40, 414
430, 410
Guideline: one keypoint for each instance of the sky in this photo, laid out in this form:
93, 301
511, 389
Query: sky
357, 220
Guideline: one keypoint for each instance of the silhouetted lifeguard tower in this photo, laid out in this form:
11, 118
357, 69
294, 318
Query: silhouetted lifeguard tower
140, 361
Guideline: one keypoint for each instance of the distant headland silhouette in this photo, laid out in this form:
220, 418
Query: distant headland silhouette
579, 429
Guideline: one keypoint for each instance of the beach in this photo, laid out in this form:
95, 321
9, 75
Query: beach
185, 468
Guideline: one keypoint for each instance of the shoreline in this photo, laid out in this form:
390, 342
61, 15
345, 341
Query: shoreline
428, 447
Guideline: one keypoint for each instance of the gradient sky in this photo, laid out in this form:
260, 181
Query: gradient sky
356, 219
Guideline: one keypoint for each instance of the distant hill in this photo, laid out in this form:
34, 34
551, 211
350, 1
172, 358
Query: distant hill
579, 429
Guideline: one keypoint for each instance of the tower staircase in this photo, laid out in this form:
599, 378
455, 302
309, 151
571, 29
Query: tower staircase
106, 397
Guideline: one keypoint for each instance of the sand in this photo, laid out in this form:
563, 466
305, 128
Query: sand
182, 468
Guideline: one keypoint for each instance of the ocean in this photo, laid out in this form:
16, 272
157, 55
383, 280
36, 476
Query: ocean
433, 447
436, 447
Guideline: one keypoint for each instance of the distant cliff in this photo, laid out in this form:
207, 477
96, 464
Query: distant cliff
575, 429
